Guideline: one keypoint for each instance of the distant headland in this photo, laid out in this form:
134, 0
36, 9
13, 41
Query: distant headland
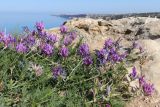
110, 16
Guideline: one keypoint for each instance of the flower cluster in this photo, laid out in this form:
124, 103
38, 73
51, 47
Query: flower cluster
84, 52
110, 53
47, 49
148, 88
63, 29
7, 39
64, 52
21, 48
58, 71
40, 26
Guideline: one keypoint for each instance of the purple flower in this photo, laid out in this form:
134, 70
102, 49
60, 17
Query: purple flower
67, 41
108, 43
84, 50
33, 32
148, 89
58, 71
135, 44
112, 51
52, 38
64, 52
87, 60
73, 35
142, 81
42, 34
134, 73
63, 29
102, 56
21, 48
8, 39
30, 40
108, 105
115, 57
47, 49
40, 26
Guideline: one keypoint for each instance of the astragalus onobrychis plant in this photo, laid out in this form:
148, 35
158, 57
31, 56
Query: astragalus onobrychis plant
40, 69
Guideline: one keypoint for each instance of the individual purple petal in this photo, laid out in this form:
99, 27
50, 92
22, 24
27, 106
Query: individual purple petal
63, 29
141, 81
40, 26
133, 74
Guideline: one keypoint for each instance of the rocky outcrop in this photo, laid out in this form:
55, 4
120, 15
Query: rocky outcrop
142, 29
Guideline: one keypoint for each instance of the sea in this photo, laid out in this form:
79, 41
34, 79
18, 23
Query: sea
15, 22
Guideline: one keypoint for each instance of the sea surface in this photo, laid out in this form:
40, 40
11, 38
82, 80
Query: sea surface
15, 22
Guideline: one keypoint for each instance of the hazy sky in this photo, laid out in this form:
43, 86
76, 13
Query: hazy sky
79, 6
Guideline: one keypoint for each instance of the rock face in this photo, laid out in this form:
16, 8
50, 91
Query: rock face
142, 29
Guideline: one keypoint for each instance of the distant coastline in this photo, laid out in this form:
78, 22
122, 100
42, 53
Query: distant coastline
110, 16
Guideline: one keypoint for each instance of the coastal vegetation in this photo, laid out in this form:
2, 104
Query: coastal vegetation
40, 69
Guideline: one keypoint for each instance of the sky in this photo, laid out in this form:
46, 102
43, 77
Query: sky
80, 6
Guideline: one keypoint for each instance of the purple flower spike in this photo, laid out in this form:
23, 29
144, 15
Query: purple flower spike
148, 89
67, 41
63, 29
142, 81
47, 49
64, 52
40, 26
52, 38
73, 35
30, 40
21, 48
108, 43
102, 56
57, 71
42, 33
134, 73
115, 58
87, 60
84, 50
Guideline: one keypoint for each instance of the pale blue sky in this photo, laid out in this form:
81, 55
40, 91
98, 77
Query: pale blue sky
79, 6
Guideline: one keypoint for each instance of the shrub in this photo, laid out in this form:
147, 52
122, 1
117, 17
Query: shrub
36, 72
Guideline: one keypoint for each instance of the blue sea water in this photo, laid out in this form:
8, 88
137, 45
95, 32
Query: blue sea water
14, 22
